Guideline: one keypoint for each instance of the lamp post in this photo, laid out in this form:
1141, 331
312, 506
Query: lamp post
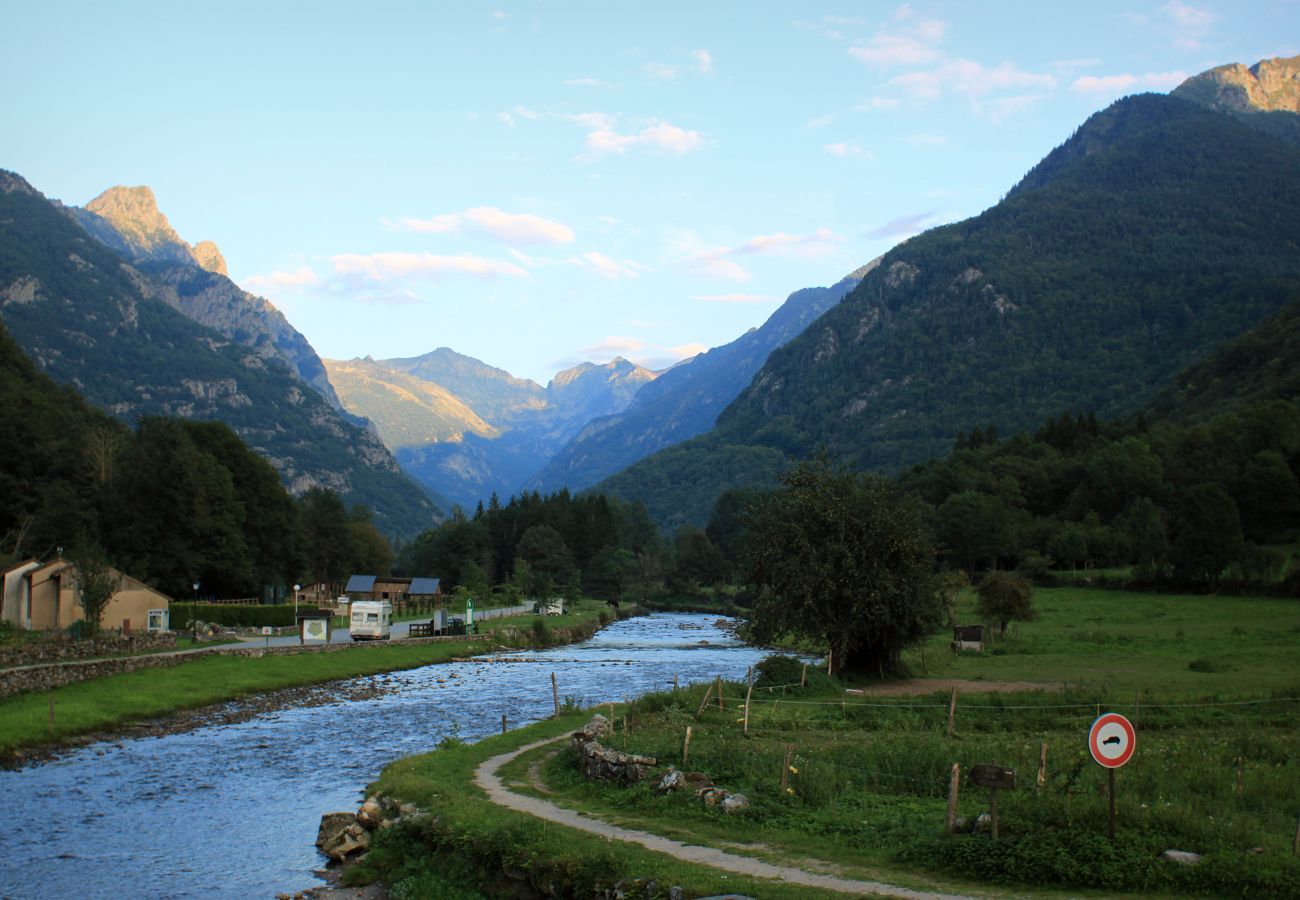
194, 614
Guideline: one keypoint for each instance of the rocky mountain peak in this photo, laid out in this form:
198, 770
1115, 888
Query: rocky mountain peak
1271, 85
13, 183
133, 212
209, 257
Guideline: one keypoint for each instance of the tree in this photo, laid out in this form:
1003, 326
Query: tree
1209, 535
548, 558
951, 584
1005, 596
845, 560
976, 528
96, 585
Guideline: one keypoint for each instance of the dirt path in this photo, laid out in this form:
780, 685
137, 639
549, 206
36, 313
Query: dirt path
486, 777
919, 686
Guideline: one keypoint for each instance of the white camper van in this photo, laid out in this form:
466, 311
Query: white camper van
372, 620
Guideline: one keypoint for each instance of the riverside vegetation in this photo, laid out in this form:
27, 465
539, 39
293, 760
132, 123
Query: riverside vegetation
1209, 684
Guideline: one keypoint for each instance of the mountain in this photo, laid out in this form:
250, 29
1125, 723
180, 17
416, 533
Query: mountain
1271, 85
1159, 230
468, 430
194, 281
91, 320
685, 400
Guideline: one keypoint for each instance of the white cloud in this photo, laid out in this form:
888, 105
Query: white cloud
610, 268
297, 279
810, 246
506, 119
877, 103
614, 345
903, 226
887, 50
662, 71
703, 61
524, 112
389, 266
603, 139
714, 264
651, 356
927, 140
511, 228
734, 298
685, 351
820, 121
1126, 81
971, 79
846, 149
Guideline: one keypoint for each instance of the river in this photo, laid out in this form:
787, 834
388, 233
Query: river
232, 810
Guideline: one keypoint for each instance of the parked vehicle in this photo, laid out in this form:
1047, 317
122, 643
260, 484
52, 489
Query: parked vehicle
371, 620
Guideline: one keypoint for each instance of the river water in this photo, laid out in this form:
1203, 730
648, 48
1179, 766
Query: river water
232, 810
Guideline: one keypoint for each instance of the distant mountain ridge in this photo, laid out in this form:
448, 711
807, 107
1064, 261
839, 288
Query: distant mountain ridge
1157, 231
1271, 85
685, 400
467, 429
89, 319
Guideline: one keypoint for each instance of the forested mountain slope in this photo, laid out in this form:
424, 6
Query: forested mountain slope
685, 400
1159, 230
91, 320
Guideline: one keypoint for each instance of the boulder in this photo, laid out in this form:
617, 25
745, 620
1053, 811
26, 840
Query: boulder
596, 761
371, 813
712, 796
983, 822
331, 825
1182, 857
734, 803
350, 840
598, 727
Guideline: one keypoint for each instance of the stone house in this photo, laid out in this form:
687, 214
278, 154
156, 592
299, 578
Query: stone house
45, 597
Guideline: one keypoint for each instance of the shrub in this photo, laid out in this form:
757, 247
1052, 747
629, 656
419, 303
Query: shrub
777, 671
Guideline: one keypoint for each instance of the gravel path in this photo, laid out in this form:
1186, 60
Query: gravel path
486, 777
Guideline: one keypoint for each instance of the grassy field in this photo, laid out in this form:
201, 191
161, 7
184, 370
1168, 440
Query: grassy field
103, 703
866, 792
1123, 641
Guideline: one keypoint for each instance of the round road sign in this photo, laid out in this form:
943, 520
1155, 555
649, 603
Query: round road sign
1111, 740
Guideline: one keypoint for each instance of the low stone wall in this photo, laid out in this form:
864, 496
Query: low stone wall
29, 653
38, 678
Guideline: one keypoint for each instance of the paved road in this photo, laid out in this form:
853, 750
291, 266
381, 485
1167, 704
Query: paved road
486, 777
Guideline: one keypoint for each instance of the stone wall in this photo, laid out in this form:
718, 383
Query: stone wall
50, 649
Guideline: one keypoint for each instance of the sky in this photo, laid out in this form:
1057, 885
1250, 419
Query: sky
538, 184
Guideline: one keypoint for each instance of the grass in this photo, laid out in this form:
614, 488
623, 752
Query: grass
1123, 641
460, 850
866, 794
103, 703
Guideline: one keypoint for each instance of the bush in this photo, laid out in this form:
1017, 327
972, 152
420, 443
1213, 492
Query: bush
241, 616
777, 671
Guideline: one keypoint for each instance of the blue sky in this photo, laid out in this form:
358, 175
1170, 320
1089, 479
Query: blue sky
538, 184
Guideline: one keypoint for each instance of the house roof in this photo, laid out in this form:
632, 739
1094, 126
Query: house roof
361, 584
424, 586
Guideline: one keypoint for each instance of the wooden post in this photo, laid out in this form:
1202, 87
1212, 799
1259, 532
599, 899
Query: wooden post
844, 713
503, 723
50, 721
952, 710
686, 747
830, 661
705, 701
555, 694
1111, 801
632, 714
803, 679
748, 693
674, 684
785, 767
1241, 768
993, 809
611, 718
721, 704
1042, 766
954, 783
1295, 843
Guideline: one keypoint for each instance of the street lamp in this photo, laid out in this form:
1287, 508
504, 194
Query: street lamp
296, 589
194, 614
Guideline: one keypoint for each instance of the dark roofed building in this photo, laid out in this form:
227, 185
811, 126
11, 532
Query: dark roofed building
397, 590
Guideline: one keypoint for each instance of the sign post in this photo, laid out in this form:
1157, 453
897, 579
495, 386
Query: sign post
1111, 741
995, 778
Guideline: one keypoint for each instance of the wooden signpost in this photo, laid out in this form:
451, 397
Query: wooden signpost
1111, 741
995, 778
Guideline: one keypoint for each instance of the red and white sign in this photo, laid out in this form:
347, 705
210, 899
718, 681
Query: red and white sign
1111, 740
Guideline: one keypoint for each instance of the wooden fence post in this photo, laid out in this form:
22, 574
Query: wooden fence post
1295, 843
803, 679
503, 723
954, 784
785, 767
1042, 766
50, 721
952, 710
748, 693
1241, 771
674, 684
686, 747
555, 694
721, 704
611, 718
705, 702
